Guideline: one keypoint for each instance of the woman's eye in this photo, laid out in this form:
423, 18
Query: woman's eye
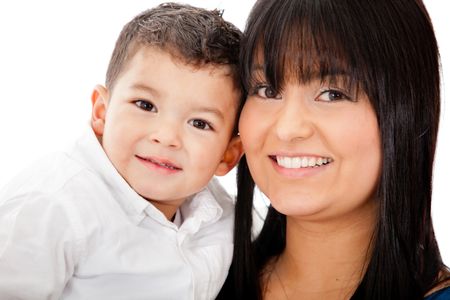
266, 91
145, 105
200, 124
332, 95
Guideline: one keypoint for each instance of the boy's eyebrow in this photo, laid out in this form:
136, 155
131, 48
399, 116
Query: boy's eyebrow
146, 88
205, 109
211, 110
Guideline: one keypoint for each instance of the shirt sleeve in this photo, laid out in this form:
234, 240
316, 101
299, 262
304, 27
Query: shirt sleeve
39, 247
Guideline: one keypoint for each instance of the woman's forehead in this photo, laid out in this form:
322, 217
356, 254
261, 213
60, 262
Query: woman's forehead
261, 70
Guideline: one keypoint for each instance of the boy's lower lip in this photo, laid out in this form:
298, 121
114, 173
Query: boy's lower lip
157, 166
297, 172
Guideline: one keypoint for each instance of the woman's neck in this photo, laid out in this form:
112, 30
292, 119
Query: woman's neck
323, 260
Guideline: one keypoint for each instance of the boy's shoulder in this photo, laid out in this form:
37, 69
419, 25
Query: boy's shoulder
47, 178
62, 174
46, 174
75, 169
46, 193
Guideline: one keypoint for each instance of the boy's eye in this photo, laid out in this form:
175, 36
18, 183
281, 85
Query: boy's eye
145, 105
332, 95
266, 91
200, 124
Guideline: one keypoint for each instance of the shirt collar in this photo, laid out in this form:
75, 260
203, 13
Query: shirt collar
202, 208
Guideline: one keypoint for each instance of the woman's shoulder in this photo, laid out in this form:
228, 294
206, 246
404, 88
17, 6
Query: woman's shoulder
442, 290
442, 294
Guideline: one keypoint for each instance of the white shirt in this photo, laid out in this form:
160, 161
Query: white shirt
72, 228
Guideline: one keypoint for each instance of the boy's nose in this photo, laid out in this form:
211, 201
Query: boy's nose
166, 135
172, 143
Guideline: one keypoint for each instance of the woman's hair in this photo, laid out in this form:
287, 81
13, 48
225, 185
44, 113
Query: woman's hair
386, 48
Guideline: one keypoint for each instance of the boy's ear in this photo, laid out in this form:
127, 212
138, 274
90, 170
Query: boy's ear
231, 157
99, 100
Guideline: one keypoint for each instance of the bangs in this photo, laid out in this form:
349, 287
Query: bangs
315, 43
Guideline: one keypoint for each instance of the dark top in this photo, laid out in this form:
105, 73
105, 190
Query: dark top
443, 294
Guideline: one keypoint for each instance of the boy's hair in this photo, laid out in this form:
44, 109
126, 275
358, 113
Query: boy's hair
193, 35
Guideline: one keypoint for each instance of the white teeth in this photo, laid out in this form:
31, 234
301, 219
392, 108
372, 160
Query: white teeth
163, 165
319, 161
302, 162
297, 162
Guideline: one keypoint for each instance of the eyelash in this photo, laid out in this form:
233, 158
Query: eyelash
203, 122
341, 95
145, 105
148, 106
256, 91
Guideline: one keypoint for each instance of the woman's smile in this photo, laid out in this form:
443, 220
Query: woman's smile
299, 166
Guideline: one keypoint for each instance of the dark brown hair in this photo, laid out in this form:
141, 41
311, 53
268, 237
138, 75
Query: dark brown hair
193, 35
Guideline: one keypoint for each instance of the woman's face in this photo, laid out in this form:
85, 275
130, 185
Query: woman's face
313, 149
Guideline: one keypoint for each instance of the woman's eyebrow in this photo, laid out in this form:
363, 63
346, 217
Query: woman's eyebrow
315, 74
257, 68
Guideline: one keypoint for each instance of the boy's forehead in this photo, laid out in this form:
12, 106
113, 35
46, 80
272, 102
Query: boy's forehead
225, 71
149, 57
179, 59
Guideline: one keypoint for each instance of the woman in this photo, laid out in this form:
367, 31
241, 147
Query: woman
339, 130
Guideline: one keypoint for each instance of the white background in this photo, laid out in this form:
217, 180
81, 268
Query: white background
53, 52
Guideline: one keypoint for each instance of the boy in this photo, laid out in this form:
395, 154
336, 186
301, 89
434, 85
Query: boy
131, 212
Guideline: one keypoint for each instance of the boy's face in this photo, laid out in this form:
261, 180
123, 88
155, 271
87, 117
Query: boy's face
166, 126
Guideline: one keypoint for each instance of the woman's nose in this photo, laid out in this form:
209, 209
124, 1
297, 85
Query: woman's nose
294, 120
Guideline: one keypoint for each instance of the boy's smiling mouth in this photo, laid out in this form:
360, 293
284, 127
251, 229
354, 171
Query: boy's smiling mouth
163, 163
296, 162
